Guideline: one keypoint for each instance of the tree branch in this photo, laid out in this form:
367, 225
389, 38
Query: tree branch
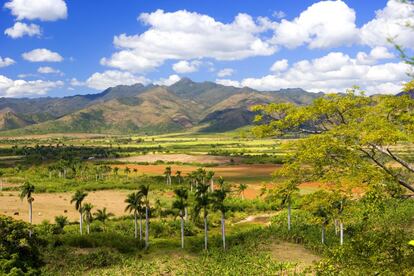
396, 158
388, 171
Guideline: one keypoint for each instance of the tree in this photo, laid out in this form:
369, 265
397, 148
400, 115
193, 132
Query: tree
210, 178
320, 204
202, 202
134, 204
61, 222
218, 199
348, 138
241, 189
87, 213
1, 180
26, 191
19, 255
102, 215
77, 198
284, 193
178, 176
167, 174
144, 192
127, 171
180, 203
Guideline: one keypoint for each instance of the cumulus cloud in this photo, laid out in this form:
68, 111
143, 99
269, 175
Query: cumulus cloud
23, 88
45, 10
228, 82
334, 72
185, 66
390, 22
42, 55
48, 70
226, 72
4, 62
280, 65
111, 78
169, 35
21, 29
317, 27
168, 81
377, 53
279, 14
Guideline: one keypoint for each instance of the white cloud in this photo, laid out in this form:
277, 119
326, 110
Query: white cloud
76, 82
184, 35
4, 62
280, 65
21, 29
279, 14
185, 66
390, 22
111, 78
168, 81
322, 25
377, 53
48, 70
42, 55
228, 82
45, 10
334, 72
23, 88
226, 72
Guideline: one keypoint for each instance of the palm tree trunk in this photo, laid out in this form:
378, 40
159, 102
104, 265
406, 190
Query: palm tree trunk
182, 230
212, 185
341, 233
88, 227
323, 233
205, 233
186, 213
30, 217
140, 227
80, 222
146, 227
135, 225
223, 230
289, 215
336, 227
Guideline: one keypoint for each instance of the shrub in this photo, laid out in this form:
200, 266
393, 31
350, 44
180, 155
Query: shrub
19, 253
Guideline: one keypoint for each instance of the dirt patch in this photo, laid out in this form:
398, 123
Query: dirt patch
47, 206
259, 219
295, 253
184, 158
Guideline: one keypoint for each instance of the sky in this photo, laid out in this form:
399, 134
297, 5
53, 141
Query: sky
62, 48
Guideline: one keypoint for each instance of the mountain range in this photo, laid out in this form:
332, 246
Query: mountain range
208, 106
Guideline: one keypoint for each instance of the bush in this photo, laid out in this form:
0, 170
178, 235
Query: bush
19, 253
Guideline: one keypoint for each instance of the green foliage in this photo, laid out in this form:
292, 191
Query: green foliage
19, 254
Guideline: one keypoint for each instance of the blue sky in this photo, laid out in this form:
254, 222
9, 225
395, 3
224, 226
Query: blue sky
59, 48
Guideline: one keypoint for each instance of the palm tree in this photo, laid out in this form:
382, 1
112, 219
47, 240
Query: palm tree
116, 170
143, 192
210, 178
102, 215
87, 213
167, 174
26, 191
202, 201
1, 181
181, 204
241, 189
134, 204
127, 171
219, 196
178, 175
77, 198
285, 194
61, 222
